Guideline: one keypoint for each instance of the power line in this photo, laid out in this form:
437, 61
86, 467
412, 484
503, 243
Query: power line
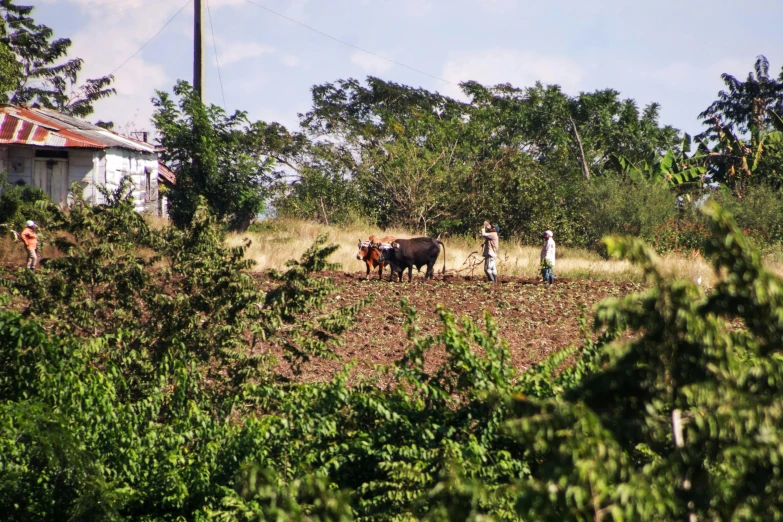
348, 44
151, 39
217, 63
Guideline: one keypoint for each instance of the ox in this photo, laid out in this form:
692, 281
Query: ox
369, 253
407, 253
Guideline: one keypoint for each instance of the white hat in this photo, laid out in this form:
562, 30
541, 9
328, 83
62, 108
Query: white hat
31, 224
548, 233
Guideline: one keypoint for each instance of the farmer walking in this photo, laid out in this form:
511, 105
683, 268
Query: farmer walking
30, 240
491, 243
548, 258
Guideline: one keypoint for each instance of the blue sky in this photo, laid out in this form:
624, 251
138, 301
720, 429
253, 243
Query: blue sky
670, 52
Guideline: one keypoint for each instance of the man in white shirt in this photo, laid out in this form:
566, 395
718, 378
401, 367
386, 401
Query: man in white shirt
548, 253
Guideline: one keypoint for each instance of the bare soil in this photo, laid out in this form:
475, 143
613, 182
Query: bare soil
536, 320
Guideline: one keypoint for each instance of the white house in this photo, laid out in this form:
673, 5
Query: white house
50, 150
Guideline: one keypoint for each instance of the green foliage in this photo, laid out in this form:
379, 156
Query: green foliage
20, 203
214, 157
745, 131
319, 194
10, 71
612, 447
410, 157
298, 293
38, 77
674, 168
401, 156
259, 495
149, 371
613, 206
133, 394
747, 104
682, 235
759, 214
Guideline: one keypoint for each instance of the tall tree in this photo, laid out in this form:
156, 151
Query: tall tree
45, 78
215, 158
743, 137
10, 70
747, 104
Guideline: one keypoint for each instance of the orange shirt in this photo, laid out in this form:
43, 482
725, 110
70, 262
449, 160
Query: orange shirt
30, 238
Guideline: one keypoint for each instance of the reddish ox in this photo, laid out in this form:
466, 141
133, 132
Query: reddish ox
371, 255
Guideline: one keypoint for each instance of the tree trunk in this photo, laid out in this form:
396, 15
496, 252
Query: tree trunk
585, 168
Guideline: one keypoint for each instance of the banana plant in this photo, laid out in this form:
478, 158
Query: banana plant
673, 168
735, 158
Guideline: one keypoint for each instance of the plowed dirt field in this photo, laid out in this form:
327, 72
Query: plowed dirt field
535, 319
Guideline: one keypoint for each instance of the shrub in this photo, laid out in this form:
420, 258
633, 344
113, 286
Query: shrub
19, 203
613, 205
681, 235
759, 213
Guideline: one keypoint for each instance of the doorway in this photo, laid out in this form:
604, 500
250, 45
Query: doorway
51, 175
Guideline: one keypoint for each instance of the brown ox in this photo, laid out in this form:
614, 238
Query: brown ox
371, 255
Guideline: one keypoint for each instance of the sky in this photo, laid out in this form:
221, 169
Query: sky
669, 52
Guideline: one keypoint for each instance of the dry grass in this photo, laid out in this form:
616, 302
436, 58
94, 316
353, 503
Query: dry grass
284, 239
280, 240
13, 252
277, 241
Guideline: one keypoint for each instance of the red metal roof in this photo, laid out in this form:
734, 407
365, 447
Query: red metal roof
21, 126
49, 128
165, 173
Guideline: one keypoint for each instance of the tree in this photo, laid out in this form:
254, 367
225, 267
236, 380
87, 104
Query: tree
743, 140
747, 104
43, 78
680, 417
214, 156
10, 71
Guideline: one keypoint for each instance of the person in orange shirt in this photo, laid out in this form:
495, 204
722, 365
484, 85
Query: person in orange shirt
30, 240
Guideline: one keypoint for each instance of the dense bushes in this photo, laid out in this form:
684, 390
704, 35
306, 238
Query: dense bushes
128, 394
529, 159
19, 203
759, 213
615, 206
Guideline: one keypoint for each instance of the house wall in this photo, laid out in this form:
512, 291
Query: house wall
80, 165
91, 167
20, 164
143, 172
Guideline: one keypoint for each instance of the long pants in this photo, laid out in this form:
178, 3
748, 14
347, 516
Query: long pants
490, 270
549, 276
32, 258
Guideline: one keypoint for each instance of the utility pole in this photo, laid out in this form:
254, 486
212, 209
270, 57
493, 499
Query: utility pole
198, 48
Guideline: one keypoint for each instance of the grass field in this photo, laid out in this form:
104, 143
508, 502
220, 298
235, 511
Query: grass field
276, 241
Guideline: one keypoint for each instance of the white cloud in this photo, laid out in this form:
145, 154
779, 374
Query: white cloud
290, 60
520, 68
108, 38
371, 64
232, 52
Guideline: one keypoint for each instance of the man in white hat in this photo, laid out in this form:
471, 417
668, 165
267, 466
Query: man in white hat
548, 253
30, 240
